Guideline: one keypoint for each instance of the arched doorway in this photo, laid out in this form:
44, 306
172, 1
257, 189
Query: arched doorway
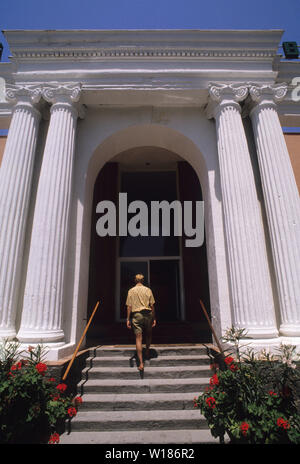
178, 275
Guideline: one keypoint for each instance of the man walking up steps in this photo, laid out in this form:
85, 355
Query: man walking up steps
141, 315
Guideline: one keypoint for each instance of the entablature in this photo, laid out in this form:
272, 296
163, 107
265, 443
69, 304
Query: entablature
147, 67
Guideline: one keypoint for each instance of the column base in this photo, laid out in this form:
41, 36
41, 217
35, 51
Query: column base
8, 333
53, 351
262, 332
290, 330
272, 345
40, 336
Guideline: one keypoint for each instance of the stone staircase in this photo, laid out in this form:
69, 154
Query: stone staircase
121, 406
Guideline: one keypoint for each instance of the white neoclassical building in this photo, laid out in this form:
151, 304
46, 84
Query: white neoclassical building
160, 115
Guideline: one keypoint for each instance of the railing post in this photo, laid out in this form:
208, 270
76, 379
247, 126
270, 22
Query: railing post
80, 342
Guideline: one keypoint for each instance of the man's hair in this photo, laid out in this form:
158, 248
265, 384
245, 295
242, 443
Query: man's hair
139, 278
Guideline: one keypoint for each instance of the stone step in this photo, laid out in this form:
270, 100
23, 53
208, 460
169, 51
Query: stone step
166, 360
122, 406
138, 420
142, 385
142, 401
169, 437
159, 350
173, 372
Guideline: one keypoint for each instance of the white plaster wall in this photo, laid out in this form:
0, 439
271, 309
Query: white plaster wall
104, 133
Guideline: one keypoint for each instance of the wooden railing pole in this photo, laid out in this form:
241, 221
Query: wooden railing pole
211, 327
80, 342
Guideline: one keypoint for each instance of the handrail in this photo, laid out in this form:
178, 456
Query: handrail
80, 341
211, 327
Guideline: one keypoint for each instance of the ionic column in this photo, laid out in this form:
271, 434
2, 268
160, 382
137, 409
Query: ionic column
251, 293
15, 187
43, 299
281, 199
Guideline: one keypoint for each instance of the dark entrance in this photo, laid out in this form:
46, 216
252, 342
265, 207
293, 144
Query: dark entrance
177, 275
156, 257
165, 283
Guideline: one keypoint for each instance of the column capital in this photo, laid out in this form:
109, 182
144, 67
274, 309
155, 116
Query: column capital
221, 95
275, 92
265, 95
67, 95
27, 95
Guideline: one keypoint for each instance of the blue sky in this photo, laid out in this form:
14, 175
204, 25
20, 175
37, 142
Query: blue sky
151, 14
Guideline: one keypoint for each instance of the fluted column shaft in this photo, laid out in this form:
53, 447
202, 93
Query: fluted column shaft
43, 298
282, 202
251, 292
15, 187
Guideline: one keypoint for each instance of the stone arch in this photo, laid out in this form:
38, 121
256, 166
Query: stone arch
176, 142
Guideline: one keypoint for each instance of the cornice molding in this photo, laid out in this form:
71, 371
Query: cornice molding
143, 44
136, 53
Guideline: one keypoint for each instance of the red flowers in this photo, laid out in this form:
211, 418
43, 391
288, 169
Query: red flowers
244, 428
272, 393
229, 361
78, 400
282, 423
61, 387
211, 402
54, 438
214, 380
72, 412
195, 402
41, 368
14, 367
233, 367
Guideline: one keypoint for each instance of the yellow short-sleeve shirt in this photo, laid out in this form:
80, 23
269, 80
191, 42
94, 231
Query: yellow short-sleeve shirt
140, 297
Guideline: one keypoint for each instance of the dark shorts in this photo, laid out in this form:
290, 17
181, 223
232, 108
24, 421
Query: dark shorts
141, 321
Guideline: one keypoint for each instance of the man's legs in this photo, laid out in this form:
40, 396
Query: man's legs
148, 339
142, 323
148, 333
139, 349
137, 325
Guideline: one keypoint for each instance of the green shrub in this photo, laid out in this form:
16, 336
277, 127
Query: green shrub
253, 397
